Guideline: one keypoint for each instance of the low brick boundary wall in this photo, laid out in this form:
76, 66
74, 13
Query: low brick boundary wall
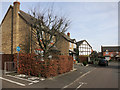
5, 58
83, 58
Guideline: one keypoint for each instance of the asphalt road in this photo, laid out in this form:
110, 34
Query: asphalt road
84, 77
99, 77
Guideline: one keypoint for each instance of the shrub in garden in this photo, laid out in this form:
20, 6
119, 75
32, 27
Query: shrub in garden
85, 63
110, 60
29, 65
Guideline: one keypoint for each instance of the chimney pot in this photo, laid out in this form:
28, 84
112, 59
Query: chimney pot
68, 34
16, 2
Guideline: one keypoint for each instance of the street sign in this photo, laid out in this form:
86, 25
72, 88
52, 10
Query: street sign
18, 48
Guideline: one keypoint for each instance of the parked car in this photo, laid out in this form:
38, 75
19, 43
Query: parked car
103, 62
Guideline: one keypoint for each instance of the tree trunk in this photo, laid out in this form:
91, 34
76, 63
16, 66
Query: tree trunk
45, 55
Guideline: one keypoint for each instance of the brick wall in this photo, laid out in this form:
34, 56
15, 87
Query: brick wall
5, 58
63, 46
20, 33
109, 54
83, 58
6, 32
24, 36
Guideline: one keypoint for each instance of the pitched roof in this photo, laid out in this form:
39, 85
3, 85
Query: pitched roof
72, 51
31, 20
68, 38
28, 18
80, 42
110, 48
54, 49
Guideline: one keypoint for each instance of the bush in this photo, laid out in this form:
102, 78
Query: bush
30, 65
84, 63
110, 60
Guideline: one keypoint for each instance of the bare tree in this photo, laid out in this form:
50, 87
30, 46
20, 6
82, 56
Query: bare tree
49, 27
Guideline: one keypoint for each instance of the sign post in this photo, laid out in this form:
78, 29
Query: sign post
18, 49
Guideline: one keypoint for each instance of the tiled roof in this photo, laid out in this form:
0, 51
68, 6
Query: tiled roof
31, 20
111, 48
80, 42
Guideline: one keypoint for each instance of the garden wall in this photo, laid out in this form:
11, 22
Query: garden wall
29, 64
5, 58
83, 58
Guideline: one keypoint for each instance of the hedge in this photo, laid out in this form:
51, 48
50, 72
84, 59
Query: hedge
30, 65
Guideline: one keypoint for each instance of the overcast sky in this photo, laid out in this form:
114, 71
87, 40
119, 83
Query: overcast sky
96, 22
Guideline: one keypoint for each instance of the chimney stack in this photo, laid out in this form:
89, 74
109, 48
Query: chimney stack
16, 8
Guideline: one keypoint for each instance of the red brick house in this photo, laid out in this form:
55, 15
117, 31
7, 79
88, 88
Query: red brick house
111, 52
